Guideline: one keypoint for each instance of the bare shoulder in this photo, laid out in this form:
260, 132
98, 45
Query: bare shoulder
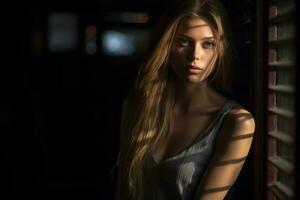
236, 134
239, 121
233, 145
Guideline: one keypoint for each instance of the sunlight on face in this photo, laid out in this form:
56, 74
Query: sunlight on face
193, 49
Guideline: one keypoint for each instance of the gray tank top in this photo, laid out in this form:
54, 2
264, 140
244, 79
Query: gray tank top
177, 177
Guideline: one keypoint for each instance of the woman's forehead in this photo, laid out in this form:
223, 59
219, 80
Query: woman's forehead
195, 27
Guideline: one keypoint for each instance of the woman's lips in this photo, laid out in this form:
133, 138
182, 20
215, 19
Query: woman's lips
194, 69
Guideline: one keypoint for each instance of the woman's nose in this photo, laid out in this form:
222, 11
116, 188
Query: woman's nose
196, 52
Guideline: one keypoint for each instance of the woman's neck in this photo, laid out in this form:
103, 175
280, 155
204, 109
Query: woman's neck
190, 96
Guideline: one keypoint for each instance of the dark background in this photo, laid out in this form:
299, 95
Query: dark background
60, 111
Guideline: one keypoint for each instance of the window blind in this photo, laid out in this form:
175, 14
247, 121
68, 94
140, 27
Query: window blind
281, 100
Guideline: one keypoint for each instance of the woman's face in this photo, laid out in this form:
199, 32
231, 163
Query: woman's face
193, 49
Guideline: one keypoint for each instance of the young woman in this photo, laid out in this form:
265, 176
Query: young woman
182, 137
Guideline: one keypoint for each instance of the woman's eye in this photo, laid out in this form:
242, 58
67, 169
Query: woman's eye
208, 45
184, 42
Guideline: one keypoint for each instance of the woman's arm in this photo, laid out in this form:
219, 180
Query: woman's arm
232, 146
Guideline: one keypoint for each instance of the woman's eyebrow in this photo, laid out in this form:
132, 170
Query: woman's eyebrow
208, 38
185, 36
204, 38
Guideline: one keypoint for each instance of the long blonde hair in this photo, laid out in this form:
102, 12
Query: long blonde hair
153, 99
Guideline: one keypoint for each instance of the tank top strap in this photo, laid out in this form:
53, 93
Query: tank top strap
229, 105
226, 108
224, 111
219, 120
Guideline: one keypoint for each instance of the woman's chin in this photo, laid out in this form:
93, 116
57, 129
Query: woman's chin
194, 79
